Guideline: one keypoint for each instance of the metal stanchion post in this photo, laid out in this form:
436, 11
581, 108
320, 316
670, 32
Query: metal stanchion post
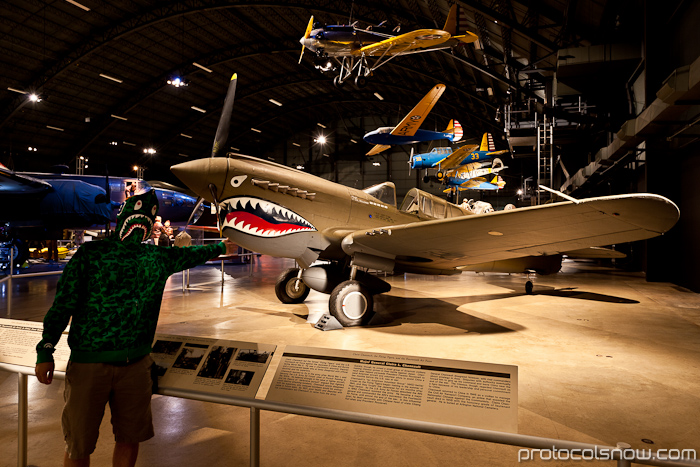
622, 462
254, 437
22, 415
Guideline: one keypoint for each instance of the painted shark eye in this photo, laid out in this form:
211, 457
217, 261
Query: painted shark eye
153, 210
138, 205
237, 181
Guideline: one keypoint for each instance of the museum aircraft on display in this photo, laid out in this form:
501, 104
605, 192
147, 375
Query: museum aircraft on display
41, 206
358, 52
279, 211
408, 132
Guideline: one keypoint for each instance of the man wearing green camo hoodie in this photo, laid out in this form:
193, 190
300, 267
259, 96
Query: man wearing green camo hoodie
111, 290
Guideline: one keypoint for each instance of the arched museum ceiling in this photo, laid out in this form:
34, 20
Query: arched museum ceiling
102, 70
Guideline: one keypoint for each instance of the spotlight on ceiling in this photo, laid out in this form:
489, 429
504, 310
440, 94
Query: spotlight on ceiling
178, 82
149, 151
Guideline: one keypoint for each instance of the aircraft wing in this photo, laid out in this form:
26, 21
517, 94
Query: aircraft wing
454, 159
446, 244
418, 39
377, 148
411, 122
12, 183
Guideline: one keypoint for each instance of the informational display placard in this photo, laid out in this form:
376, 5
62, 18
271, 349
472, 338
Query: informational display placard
211, 365
453, 392
18, 340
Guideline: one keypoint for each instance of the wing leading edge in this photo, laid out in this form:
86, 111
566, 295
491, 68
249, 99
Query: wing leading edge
551, 229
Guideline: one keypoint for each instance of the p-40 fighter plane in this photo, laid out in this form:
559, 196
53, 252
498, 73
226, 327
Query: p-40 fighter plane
359, 51
407, 131
279, 211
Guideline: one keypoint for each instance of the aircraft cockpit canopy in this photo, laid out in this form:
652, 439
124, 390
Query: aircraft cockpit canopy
384, 192
428, 206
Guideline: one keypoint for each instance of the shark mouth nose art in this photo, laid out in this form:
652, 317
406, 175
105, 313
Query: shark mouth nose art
261, 218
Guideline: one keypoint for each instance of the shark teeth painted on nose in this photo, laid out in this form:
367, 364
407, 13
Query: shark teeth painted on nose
261, 218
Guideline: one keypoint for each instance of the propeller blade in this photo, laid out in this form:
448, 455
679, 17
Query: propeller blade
307, 34
225, 120
410, 162
212, 190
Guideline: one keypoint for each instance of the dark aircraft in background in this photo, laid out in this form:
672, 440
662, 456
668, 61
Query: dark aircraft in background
40, 206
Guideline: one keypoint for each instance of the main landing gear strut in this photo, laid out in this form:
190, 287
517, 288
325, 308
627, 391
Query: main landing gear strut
351, 301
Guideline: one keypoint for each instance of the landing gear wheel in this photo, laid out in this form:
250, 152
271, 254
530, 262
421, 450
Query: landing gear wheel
426, 179
360, 81
337, 83
351, 304
528, 287
440, 175
288, 289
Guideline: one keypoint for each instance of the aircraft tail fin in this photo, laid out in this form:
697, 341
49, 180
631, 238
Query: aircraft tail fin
455, 128
452, 27
487, 143
377, 149
451, 23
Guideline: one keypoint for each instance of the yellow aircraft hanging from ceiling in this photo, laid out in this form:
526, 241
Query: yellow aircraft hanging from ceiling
359, 52
279, 211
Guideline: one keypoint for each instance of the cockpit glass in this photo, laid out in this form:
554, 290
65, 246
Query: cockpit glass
384, 192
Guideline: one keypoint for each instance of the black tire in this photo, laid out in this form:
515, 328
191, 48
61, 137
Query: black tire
529, 286
285, 287
337, 83
360, 81
351, 304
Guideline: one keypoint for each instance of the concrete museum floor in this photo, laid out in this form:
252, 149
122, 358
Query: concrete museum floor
603, 357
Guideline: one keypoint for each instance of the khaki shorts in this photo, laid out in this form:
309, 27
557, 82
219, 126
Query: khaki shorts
89, 387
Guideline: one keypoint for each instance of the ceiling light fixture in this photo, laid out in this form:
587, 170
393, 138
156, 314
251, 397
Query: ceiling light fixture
32, 149
277, 103
202, 67
186, 136
178, 82
118, 117
79, 5
256, 130
183, 155
235, 149
111, 78
149, 151
296, 144
376, 164
17, 90
353, 141
321, 125
35, 98
128, 143
54, 128
321, 139
378, 96
198, 109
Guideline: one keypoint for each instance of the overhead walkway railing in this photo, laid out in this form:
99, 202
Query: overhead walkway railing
533, 447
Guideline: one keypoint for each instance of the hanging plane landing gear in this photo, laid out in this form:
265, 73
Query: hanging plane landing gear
360, 81
351, 304
289, 287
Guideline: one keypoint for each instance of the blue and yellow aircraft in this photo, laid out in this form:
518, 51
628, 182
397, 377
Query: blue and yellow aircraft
352, 48
445, 159
407, 131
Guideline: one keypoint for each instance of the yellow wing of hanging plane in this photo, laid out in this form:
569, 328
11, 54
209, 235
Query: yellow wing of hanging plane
418, 39
456, 157
411, 122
